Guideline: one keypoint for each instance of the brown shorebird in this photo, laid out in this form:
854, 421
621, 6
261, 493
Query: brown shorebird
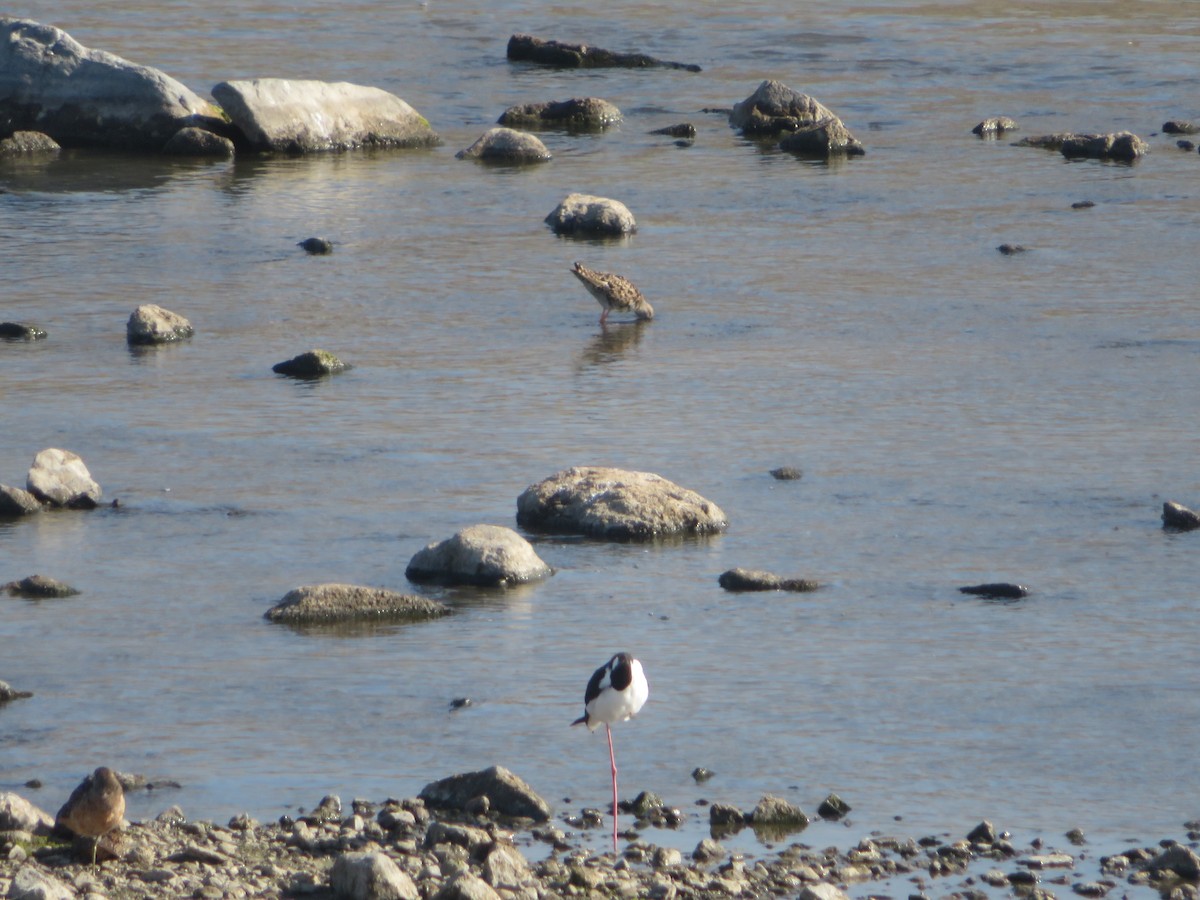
94, 808
613, 292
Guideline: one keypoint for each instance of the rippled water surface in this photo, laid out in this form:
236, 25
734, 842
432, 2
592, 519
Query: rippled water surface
960, 416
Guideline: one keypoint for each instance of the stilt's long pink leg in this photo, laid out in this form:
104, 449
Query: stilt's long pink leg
612, 757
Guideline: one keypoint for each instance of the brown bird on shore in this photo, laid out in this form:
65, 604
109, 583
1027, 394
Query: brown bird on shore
613, 292
94, 808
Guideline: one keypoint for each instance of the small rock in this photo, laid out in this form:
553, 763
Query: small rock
1076, 837
17, 502
32, 883
8, 693
60, 478
486, 555
460, 703
822, 891
708, 850
787, 473
591, 215
994, 125
1083, 204
1186, 146
1001, 590
21, 331
1048, 861
701, 774
193, 141
1179, 126
313, 364
526, 47
28, 143
758, 580
723, 815
151, 324
509, 795
18, 814
38, 586
775, 108
1176, 517
466, 886
822, 139
577, 114
777, 813
505, 145
1091, 888
683, 130
316, 246
833, 807
1177, 858
325, 603
1123, 146
506, 868
1011, 249
983, 833
370, 876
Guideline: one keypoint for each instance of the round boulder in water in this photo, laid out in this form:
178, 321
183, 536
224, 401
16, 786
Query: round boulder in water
486, 555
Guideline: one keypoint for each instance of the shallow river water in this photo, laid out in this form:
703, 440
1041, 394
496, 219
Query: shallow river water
960, 416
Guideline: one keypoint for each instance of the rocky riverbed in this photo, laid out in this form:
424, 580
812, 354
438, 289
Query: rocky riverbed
405, 849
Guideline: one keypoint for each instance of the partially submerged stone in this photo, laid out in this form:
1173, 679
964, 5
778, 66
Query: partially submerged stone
578, 113
526, 47
506, 145
591, 215
995, 125
787, 473
775, 108
8, 693
509, 794
833, 807
684, 130
1177, 517
828, 137
201, 142
777, 814
16, 502
1123, 146
1180, 126
312, 364
999, 590
487, 555
616, 504
758, 580
27, 143
51, 83
316, 246
60, 478
39, 586
297, 116
21, 331
151, 324
331, 602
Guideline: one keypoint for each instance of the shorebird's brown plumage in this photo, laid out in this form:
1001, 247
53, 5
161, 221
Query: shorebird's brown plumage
94, 808
613, 292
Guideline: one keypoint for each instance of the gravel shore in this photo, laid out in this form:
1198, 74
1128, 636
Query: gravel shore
403, 849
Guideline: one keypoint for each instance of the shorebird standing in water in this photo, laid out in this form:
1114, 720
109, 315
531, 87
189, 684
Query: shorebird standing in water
613, 292
615, 692
94, 808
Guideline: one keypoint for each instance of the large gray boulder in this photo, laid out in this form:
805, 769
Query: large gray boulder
297, 116
506, 145
51, 83
60, 478
508, 794
151, 324
775, 108
616, 504
327, 603
587, 214
488, 555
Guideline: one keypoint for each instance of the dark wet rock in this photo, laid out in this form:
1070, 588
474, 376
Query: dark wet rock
9, 693
370, 876
298, 116
587, 214
787, 473
1076, 837
701, 774
60, 478
91, 98
21, 331
833, 807
487, 555
1123, 146
151, 324
616, 504
576, 114
1083, 204
316, 246
1179, 126
1186, 146
39, 586
506, 145
777, 813
27, 143
994, 125
1000, 590
1179, 859
461, 703
683, 130
723, 815
509, 795
774, 109
312, 364
16, 502
527, 48
1011, 249
322, 603
983, 833
820, 140
758, 580
201, 142
1176, 517
1046, 141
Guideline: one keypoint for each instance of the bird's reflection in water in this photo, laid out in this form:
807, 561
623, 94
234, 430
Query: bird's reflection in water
611, 343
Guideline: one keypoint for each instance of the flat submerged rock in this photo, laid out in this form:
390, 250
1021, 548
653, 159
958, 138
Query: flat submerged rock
327, 603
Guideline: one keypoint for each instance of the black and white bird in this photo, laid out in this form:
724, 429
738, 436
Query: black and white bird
615, 693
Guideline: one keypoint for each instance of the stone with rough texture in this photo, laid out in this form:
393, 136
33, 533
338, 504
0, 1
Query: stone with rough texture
60, 478
776, 812
1178, 858
526, 47
17, 502
591, 215
311, 364
616, 504
506, 145
22, 143
1178, 517
1123, 146
324, 603
578, 113
509, 795
51, 83
40, 586
774, 108
758, 580
21, 331
466, 886
151, 324
18, 814
488, 555
370, 876
1180, 126
822, 891
7, 694
506, 868
297, 116
994, 125
31, 883
198, 142
828, 137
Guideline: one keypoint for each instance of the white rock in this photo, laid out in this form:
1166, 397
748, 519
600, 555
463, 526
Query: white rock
370, 876
487, 555
588, 214
59, 477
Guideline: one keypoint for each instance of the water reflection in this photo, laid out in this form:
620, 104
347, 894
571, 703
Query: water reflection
610, 344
